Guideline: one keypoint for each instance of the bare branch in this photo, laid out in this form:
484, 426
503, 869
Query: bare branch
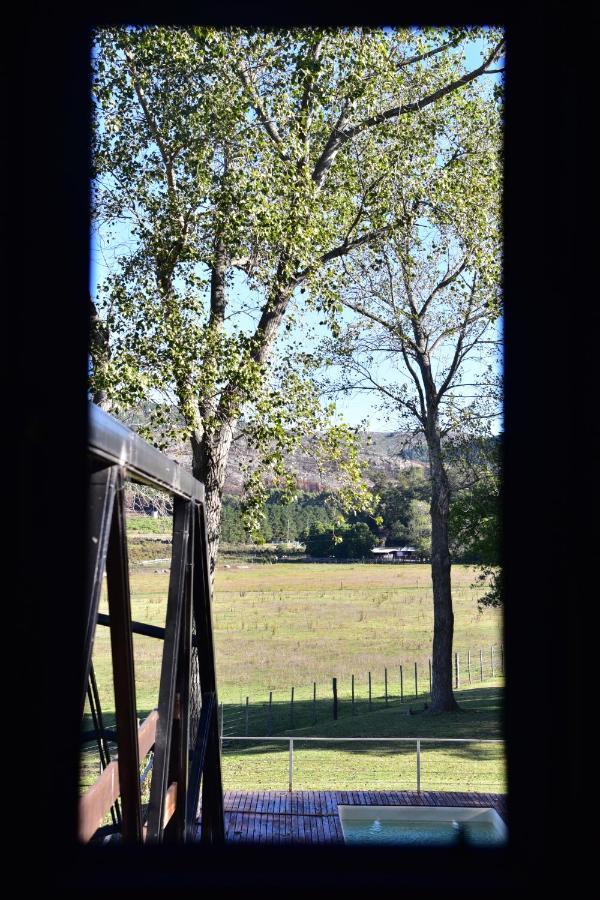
448, 279
344, 248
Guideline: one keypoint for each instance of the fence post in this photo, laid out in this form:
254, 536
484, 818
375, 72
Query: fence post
385, 683
291, 767
492, 659
247, 700
314, 702
418, 766
270, 727
353, 713
335, 699
401, 686
430, 681
292, 709
369, 691
502, 657
416, 682
469, 665
457, 670
481, 665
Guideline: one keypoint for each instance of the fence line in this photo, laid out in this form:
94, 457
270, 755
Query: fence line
337, 702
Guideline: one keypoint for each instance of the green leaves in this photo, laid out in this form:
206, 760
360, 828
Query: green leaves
258, 161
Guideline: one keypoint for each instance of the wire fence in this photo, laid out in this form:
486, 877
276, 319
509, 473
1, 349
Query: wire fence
406, 685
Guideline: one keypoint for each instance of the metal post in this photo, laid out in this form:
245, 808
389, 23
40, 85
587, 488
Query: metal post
418, 766
492, 659
335, 699
469, 665
385, 682
292, 709
416, 682
401, 686
270, 724
430, 680
353, 695
247, 710
481, 665
369, 691
457, 670
291, 767
314, 702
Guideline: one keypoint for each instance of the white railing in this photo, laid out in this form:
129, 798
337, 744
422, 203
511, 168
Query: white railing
379, 740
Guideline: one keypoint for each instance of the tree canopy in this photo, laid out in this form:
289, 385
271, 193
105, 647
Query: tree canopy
235, 171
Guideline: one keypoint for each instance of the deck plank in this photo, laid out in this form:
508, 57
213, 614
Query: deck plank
311, 817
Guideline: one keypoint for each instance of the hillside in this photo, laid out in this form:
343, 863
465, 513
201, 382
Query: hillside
385, 453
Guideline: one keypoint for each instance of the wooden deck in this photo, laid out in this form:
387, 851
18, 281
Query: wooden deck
310, 817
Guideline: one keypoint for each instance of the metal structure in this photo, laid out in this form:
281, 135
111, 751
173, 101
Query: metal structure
182, 732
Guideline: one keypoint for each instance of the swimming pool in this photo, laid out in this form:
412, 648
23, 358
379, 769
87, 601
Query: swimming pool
412, 826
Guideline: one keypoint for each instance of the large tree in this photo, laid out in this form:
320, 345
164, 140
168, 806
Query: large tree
423, 337
236, 168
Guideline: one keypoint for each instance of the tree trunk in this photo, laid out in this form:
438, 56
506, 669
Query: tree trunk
210, 453
442, 697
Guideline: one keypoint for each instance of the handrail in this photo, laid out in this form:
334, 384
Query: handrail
99, 798
417, 740
118, 444
296, 737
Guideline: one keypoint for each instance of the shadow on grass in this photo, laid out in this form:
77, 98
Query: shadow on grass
480, 716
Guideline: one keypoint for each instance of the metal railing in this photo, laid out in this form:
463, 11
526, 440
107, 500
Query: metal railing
379, 740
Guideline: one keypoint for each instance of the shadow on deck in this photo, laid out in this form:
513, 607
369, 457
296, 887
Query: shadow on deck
311, 817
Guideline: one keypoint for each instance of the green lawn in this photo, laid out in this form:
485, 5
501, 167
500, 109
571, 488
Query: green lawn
292, 624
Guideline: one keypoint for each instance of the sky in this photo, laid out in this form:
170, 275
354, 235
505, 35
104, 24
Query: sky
356, 408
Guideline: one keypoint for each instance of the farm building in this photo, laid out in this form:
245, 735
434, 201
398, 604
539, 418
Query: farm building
406, 553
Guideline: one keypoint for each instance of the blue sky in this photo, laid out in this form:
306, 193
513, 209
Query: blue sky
355, 408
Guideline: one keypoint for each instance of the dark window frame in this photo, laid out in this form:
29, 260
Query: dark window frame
549, 388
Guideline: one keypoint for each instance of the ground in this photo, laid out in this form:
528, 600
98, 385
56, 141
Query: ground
291, 625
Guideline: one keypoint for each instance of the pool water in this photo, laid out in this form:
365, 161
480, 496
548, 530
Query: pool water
423, 834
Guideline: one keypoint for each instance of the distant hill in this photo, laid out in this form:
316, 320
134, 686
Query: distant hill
386, 453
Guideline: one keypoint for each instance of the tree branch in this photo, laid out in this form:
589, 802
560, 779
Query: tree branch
430, 53
340, 134
448, 279
416, 105
343, 249
267, 122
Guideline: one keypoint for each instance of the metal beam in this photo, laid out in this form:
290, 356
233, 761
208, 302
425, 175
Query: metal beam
117, 444
101, 495
119, 604
213, 820
166, 696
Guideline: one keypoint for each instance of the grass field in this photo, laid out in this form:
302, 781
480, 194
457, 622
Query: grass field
293, 624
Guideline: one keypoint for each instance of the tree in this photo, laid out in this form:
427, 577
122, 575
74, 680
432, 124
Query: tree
319, 540
474, 525
394, 505
419, 526
425, 302
246, 165
344, 541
